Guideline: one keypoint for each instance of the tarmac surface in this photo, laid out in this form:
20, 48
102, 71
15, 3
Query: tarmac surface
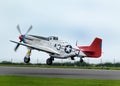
61, 72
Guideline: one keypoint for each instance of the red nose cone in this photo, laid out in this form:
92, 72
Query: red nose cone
20, 37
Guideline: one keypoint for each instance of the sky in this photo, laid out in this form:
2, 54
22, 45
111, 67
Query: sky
70, 20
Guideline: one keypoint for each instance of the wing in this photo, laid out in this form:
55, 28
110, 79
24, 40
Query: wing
39, 48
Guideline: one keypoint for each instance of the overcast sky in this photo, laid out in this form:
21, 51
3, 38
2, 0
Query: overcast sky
70, 20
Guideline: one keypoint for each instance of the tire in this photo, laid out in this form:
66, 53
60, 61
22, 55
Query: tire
27, 60
49, 61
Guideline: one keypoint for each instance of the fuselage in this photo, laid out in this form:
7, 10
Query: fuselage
55, 47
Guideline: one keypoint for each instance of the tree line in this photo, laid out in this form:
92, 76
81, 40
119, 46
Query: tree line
77, 63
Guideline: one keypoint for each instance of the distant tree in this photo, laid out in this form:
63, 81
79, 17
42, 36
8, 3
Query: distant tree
81, 64
6, 62
117, 64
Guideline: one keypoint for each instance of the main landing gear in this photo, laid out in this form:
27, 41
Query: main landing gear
27, 57
49, 61
81, 60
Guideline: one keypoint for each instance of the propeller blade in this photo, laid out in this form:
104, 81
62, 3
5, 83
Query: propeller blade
17, 46
28, 30
18, 28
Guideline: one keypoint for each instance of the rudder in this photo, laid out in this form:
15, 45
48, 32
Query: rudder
96, 46
94, 50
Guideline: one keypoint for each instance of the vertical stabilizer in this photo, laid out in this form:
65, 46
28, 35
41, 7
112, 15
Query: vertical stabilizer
94, 50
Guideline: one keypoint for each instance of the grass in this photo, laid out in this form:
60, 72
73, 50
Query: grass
39, 81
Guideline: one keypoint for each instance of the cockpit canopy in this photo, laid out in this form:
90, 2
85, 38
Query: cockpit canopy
53, 38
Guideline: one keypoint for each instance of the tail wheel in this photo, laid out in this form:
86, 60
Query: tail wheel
49, 61
27, 60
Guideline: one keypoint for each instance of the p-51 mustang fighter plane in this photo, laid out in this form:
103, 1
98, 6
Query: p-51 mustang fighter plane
57, 48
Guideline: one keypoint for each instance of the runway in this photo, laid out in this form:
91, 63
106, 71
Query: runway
61, 72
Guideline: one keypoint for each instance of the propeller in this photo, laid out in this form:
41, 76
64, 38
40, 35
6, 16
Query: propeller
28, 30
21, 37
18, 28
17, 47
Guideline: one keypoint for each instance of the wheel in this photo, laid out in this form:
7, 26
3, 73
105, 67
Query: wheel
49, 61
81, 60
27, 60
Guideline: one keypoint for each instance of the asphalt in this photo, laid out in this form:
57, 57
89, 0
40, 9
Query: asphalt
61, 72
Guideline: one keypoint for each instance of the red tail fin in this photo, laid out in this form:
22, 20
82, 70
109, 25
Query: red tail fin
94, 50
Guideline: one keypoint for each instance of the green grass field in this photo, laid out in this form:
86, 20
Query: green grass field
39, 81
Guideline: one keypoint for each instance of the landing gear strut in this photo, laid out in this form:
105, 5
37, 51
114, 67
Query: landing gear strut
27, 57
81, 60
49, 61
